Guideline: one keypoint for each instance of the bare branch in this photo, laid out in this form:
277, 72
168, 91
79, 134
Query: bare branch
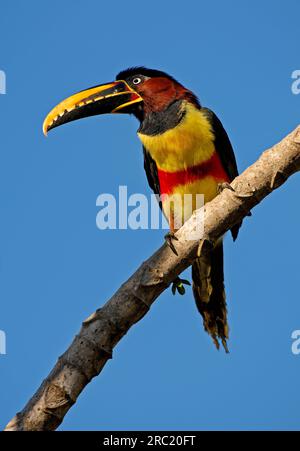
94, 344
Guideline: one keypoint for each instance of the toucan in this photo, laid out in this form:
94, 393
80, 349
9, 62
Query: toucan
186, 151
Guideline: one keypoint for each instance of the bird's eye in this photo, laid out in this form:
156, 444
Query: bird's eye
136, 80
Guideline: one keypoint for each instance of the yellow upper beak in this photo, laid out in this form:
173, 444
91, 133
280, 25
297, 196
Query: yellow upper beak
108, 98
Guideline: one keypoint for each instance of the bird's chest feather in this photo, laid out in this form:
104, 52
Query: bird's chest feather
185, 155
186, 160
185, 145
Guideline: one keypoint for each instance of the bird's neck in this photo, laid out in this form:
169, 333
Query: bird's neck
157, 122
188, 142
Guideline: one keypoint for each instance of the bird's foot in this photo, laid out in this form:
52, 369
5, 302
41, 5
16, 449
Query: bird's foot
224, 185
178, 285
169, 237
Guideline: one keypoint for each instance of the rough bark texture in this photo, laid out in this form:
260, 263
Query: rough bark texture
93, 346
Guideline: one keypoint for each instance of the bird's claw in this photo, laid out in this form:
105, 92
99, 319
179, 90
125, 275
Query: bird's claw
169, 237
224, 185
178, 285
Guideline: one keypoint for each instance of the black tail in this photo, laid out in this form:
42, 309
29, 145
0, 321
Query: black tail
209, 293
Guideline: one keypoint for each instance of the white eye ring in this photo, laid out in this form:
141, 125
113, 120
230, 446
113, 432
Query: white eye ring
136, 80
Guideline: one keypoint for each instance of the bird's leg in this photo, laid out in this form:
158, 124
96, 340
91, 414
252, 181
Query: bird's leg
178, 285
171, 235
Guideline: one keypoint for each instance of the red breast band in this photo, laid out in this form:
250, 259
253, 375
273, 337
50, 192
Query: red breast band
212, 167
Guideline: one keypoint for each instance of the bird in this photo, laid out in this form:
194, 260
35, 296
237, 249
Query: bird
186, 150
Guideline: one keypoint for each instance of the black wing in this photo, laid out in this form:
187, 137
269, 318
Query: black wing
225, 151
222, 144
152, 173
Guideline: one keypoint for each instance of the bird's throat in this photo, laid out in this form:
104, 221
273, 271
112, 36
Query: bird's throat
158, 122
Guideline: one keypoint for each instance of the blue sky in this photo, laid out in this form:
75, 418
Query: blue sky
56, 267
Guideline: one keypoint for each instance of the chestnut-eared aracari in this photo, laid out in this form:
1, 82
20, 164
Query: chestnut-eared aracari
186, 151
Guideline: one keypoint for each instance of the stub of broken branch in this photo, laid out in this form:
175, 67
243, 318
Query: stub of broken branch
93, 346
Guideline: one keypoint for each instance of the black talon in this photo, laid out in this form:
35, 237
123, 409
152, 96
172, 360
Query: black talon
224, 185
178, 285
169, 237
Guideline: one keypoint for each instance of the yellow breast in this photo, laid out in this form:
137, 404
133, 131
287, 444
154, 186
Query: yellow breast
184, 199
187, 144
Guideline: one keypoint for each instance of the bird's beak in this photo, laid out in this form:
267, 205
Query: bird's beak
114, 97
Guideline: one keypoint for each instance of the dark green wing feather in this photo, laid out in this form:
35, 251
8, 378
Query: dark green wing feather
152, 173
222, 144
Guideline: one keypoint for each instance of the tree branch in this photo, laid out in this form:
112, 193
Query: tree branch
93, 346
